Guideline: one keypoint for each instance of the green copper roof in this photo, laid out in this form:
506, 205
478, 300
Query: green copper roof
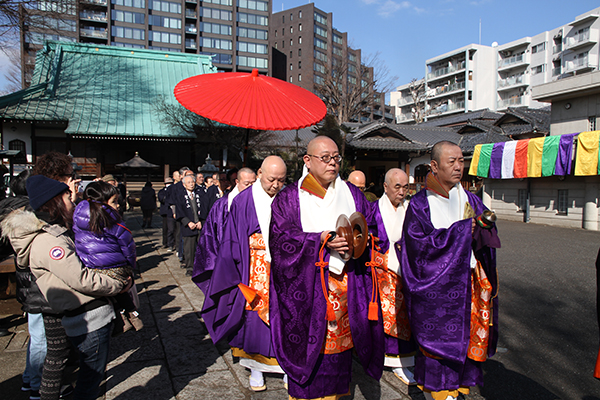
103, 90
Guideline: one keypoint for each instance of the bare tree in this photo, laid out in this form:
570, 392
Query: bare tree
420, 95
348, 88
13, 72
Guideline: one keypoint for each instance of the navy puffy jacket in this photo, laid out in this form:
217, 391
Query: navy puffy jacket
114, 248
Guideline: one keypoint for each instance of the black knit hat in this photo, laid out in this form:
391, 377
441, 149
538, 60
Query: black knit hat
41, 189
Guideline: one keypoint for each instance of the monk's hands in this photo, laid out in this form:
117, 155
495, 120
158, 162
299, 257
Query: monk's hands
472, 225
191, 225
199, 225
338, 244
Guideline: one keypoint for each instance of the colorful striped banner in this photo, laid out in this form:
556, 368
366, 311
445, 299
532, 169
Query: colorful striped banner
537, 157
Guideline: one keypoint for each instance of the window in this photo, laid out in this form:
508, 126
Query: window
337, 51
215, 13
165, 6
352, 57
291, 17
252, 62
253, 19
17, 144
291, 80
282, 31
522, 200
62, 7
320, 31
130, 3
252, 33
219, 58
300, 27
283, 19
320, 18
283, 44
291, 29
352, 80
221, 2
538, 69
299, 52
257, 5
291, 42
337, 39
470, 95
538, 48
291, 54
319, 80
137, 46
275, 32
129, 33
299, 78
299, 64
165, 22
165, 37
299, 39
300, 14
320, 44
291, 67
592, 123
218, 29
563, 201
319, 68
213, 43
275, 44
320, 56
352, 68
252, 47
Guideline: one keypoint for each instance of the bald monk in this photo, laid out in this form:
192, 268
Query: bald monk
386, 222
213, 229
358, 179
237, 305
319, 303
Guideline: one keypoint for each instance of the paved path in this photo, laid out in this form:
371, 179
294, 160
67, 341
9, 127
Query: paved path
548, 333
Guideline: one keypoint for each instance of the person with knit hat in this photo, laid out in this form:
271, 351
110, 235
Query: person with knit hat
78, 296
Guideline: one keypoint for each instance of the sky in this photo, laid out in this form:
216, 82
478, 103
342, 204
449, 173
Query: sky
407, 33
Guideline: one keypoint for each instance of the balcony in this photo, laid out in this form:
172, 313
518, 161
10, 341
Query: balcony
579, 65
445, 71
557, 48
96, 2
93, 16
556, 71
512, 82
513, 101
94, 33
446, 89
444, 108
580, 40
191, 29
512, 61
404, 117
190, 44
388, 115
192, 1
190, 14
402, 101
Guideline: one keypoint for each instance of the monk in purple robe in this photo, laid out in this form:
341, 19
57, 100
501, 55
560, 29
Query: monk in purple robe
385, 222
236, 307
214, 227
320, 303
448, 265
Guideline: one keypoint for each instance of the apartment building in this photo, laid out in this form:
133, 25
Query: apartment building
305, 47
235, 32
501, 76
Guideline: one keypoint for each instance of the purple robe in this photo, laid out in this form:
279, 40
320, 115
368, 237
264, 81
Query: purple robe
224, 309
208, 244
393, 345
436, 274
298, 306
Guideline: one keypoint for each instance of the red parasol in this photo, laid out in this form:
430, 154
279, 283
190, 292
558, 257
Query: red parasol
250, 101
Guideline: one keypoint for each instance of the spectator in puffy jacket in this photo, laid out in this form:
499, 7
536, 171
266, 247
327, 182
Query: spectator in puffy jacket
148, 204
77, 296
104, 244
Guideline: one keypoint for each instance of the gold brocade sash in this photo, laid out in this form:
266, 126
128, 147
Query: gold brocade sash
339, 337
393, 306
481, 304
260, 271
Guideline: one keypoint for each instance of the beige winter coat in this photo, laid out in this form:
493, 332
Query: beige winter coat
50, 253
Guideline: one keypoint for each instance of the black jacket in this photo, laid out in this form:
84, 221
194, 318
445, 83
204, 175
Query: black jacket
28, 294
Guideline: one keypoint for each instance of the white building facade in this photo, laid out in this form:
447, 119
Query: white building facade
475, 77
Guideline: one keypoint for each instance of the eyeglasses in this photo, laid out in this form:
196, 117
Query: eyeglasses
326, 158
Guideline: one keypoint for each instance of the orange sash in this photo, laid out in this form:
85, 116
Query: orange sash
260, 271
393, 306
481, 305
339, 337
